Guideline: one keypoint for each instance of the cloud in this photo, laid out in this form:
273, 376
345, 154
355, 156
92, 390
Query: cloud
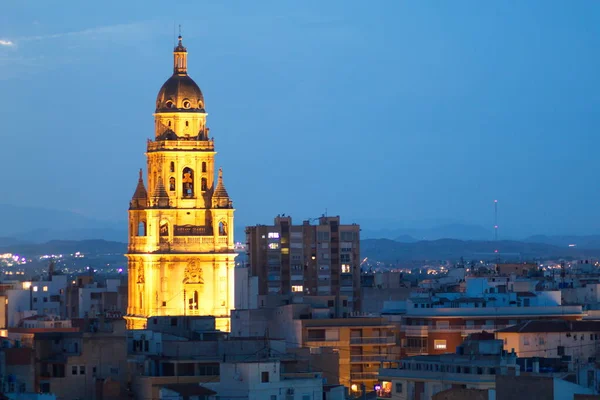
92, 33
54, 49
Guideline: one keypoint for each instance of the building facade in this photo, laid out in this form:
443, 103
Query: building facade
436, 323
181, 249
579, 340
306, 260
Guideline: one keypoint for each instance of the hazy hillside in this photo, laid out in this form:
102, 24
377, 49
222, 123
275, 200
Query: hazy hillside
39, 225
450, 249
435, 232
67, 247
586, 242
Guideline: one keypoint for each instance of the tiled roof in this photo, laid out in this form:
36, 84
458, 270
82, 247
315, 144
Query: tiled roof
539, 326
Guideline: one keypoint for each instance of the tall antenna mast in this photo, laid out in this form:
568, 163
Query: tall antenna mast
496, 220
496, 226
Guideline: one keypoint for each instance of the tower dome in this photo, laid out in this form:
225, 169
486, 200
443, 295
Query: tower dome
180, 92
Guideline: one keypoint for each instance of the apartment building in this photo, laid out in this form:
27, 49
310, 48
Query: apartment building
306, 259
480, 369
578, 340
436, 323
363, 343
86, 364
265, 379
173, 353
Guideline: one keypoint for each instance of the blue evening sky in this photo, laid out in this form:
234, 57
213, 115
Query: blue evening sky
384, 112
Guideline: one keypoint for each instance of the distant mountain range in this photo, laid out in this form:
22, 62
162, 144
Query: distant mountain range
96, 247
443, 231
384, 250
391, 251
28, 230
585, 242
39, 225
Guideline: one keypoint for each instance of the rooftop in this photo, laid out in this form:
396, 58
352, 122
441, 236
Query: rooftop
540, 326
561, 311
188, 389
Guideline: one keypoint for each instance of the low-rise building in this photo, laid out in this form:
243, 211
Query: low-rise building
264, 379
436, 323
363, 343
480, 368
87, 364
579, 340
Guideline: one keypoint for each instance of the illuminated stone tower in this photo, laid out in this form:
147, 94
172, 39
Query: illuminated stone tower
181, 250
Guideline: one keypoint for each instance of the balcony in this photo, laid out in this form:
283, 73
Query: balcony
411, 351
192, 230
373, 340
416, 330
423, 330
371, 358
186, 145
364, 376
179, 244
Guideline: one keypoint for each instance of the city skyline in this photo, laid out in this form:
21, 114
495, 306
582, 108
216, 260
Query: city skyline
496, 106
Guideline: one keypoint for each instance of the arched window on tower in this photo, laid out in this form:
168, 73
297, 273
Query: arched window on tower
141, 228
193, 301
188, 182
204, 166
172, 184
172, 167
164, 229
222, 228
204, 184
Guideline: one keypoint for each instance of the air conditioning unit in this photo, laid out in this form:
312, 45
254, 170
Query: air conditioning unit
290, 391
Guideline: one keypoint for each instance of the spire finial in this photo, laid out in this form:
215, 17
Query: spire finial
141, 178
220, 173
180, 57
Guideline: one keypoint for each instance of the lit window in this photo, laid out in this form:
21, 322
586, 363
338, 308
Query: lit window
273, 235
345, 268
297, 288
35, 288
439, 344
273, 246
45, 288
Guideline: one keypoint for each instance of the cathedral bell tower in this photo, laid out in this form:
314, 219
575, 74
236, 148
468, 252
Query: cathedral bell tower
181, 250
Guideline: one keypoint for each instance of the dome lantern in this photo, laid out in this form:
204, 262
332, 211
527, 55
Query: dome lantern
180, 93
